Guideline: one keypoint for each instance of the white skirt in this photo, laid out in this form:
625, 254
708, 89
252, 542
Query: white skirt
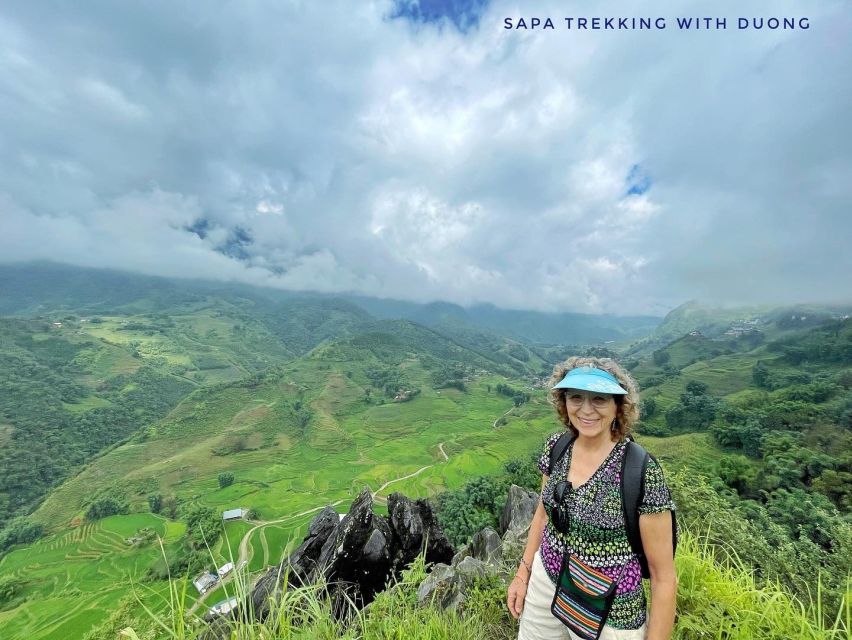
537, 623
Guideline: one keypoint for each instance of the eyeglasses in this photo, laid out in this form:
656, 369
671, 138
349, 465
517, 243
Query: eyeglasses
598, 400
559, 513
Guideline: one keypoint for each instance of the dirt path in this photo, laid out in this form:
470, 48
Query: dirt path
410, 475
443, 453
496, 420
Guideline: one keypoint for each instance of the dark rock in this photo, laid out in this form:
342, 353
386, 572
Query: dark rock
300, 567
519, 510
486, 546
415, 525
447, 586
359, 554
356, 557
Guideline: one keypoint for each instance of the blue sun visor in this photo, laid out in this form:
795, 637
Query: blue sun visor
591, 379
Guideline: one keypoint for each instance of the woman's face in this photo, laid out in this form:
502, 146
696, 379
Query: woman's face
591, 413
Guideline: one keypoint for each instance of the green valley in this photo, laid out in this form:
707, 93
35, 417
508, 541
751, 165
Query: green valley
128, 427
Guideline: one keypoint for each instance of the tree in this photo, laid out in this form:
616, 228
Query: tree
696, 388
170, 507
226, 479
837, 485
19, 531
106, 506
760, 375
738, 472
661, 357
203, 526
155, 501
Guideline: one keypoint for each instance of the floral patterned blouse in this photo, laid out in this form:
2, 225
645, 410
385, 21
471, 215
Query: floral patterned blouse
597, 533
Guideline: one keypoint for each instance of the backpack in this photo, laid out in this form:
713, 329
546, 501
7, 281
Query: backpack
632, 491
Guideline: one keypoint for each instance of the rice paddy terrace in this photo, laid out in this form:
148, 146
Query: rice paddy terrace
75, 577
305, 434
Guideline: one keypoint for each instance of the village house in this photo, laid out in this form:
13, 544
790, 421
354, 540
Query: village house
225, 569
205, 581
234, 514
223, 607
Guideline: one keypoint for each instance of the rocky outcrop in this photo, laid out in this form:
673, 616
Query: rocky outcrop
518, 512
357, 555
300, 567
416, 526
487, 554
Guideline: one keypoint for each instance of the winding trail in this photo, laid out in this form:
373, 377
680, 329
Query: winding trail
410, 475
496, 420
443, 453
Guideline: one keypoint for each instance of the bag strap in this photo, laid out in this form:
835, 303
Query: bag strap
559, 449
632, 491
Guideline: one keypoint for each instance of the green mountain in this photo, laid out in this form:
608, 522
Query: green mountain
716, 322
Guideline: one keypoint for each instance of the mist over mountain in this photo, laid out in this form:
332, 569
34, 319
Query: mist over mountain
42, 288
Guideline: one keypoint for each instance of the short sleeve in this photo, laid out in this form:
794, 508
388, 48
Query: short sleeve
657, 496
544, 458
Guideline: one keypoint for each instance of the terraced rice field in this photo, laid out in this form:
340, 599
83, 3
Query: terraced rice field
76, 577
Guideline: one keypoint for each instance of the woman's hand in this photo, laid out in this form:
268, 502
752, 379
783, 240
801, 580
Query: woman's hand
516, 596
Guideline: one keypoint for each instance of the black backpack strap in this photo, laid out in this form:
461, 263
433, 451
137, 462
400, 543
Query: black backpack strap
559, 449
632, 491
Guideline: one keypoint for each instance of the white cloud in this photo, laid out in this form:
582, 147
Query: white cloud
324, 146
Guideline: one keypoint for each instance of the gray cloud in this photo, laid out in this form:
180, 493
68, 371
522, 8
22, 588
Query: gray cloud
330, 147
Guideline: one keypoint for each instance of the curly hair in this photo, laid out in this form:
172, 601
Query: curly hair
627, 407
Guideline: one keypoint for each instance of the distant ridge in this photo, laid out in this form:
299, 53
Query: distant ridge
39, 288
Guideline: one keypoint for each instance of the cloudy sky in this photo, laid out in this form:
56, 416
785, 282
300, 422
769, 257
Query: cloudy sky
422, 151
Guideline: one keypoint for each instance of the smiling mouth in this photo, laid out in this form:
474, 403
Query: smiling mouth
588, 422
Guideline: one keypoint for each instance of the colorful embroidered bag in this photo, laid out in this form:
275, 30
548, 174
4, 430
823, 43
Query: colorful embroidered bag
583, 597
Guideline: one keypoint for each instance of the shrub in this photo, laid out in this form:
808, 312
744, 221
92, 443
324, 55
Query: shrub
661, 357
19, 531
155, 501
10, 586
226, 479
106, 506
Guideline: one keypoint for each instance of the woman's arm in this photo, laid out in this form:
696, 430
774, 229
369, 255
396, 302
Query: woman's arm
656, 532
518, 587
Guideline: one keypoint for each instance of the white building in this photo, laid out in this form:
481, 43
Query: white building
225, 569
205, 581
234, 514
223, 607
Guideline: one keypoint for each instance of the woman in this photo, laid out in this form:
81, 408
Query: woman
597, 400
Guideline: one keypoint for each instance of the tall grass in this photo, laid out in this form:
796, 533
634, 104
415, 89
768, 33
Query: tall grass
305, 613
718, 599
